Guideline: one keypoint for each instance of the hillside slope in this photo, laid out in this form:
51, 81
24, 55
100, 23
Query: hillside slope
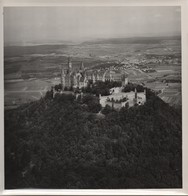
60, 143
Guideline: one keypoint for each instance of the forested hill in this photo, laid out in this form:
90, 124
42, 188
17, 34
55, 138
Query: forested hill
63, 143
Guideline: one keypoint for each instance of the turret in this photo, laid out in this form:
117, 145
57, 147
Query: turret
53, 92
124, 80
103, 77
135, 97
144, 95
62, 78
82, 68
97, 75
145, 92
69, 64
111, 77
135, 91
81, 96
93, 78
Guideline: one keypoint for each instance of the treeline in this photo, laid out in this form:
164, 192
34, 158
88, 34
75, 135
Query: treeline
64, 143
101, 87
131, 87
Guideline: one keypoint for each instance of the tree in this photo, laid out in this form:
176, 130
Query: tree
94, 107
92, 103
58, 87
107, 109
49, 94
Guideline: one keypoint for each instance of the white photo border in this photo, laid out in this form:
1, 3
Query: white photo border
184, 35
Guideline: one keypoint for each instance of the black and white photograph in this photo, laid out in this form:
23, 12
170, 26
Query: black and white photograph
92, 97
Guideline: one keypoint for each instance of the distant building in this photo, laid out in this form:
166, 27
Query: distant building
118, 99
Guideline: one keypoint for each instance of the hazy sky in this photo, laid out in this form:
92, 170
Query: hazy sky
48, 24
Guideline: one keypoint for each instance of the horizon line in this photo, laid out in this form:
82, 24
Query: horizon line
76, 42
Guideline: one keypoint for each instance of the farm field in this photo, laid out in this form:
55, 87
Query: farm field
18, 92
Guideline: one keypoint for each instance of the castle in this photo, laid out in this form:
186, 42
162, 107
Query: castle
71, 79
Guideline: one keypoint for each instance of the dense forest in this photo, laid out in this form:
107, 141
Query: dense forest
67, 143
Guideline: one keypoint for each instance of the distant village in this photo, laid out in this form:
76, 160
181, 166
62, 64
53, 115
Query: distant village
76, 80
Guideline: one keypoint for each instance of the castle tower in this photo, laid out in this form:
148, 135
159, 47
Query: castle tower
135, 97
145, 92
53, 92
124, 80
110, 74
144, 95
75, 81
62, 78
135, 91
85, 81
97, 76
104, 76
93, 78
69, 64
82, 68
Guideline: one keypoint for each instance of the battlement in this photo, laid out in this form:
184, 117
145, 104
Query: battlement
118, 99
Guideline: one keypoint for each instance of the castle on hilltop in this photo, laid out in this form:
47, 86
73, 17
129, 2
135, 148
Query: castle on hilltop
72, 79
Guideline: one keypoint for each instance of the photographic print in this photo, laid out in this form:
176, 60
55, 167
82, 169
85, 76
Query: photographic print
92, 97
